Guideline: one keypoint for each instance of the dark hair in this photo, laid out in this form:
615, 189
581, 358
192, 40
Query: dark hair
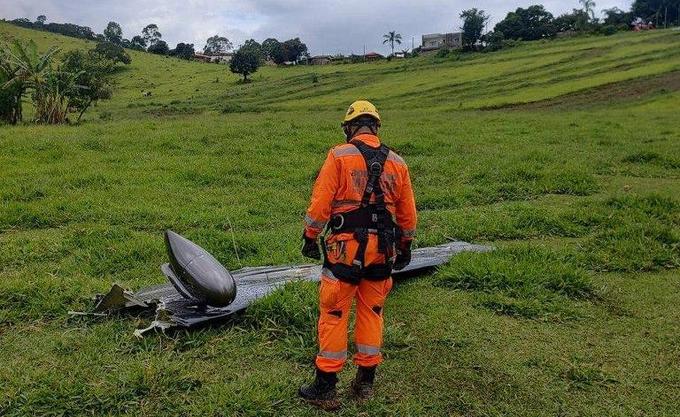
364, 121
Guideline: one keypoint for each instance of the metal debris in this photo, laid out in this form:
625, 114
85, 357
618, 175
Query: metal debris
174, 310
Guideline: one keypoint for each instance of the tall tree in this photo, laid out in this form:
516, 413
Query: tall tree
112, 52
392, 38
273, 50
217, 45
138, 43
183, 51
527, 24
588, 7
657, 11
577, 21
294, 49
113, 33
152, 35
253, 45
41, 20
473, 25
617, 17
160, 47
244, 62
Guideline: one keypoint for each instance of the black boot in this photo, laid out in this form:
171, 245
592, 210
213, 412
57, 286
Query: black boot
362, 386
322, 391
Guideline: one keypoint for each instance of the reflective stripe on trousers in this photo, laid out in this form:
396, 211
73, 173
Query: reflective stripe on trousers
368, 350
333, 355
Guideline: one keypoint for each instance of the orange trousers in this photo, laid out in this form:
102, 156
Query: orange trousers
335, 301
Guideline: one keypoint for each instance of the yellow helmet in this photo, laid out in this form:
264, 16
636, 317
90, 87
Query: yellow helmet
361, 108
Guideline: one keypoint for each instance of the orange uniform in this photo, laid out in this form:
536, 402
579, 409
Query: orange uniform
339, 188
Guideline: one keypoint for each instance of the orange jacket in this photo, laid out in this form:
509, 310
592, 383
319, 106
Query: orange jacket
341, 183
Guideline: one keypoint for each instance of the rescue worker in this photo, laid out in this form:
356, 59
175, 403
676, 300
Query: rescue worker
363, 199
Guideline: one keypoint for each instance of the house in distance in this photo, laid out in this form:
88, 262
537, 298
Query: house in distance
436, 41
223, 58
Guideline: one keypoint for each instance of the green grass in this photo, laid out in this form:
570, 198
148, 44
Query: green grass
575, 181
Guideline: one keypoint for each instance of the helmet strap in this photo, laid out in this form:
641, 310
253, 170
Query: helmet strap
352, 129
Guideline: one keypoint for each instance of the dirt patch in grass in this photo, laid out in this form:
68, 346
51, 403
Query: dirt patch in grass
613, 93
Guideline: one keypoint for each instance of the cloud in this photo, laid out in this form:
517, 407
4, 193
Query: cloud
327, 26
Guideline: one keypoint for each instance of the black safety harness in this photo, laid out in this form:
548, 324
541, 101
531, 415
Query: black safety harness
369, 218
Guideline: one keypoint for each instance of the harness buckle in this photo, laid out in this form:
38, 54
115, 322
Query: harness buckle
376, 168
337, 222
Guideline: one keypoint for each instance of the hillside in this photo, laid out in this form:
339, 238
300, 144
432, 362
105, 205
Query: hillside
532, 72
564, 155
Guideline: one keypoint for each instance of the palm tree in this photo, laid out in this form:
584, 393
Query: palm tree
392, 38
589, 7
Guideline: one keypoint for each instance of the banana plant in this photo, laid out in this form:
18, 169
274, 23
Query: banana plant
24, 70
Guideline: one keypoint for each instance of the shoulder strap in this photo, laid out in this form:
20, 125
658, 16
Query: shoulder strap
375, 163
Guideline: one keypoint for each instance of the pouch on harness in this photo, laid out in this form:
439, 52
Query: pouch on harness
369, 218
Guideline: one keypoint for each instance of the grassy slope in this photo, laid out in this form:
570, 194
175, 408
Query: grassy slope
576, 314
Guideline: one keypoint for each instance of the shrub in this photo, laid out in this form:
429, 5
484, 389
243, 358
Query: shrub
608, 30
112, 52
443, 53
93, 71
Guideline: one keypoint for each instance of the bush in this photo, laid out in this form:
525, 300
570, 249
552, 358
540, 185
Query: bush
494, 41
608, 30
159, 48
93, 71
443, 53
112, 52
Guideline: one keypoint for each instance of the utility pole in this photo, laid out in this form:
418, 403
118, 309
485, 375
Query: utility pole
413, 43
364, 52
665, 18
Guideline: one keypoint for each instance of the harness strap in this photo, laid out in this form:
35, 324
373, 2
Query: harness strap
375, 165
379, 222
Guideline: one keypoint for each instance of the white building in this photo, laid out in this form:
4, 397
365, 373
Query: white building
442, 40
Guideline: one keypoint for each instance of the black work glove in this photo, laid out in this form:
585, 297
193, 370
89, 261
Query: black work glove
403, 255
310, 249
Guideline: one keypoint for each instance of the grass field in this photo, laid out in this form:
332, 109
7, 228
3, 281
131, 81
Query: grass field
564, 155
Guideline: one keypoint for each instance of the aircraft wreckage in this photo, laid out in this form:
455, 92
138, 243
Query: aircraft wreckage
202, 291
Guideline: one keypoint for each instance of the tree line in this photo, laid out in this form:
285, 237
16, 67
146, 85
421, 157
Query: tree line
252, 54
151, 40
535, 22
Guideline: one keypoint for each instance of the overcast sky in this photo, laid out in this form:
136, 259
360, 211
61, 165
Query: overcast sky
327, 26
